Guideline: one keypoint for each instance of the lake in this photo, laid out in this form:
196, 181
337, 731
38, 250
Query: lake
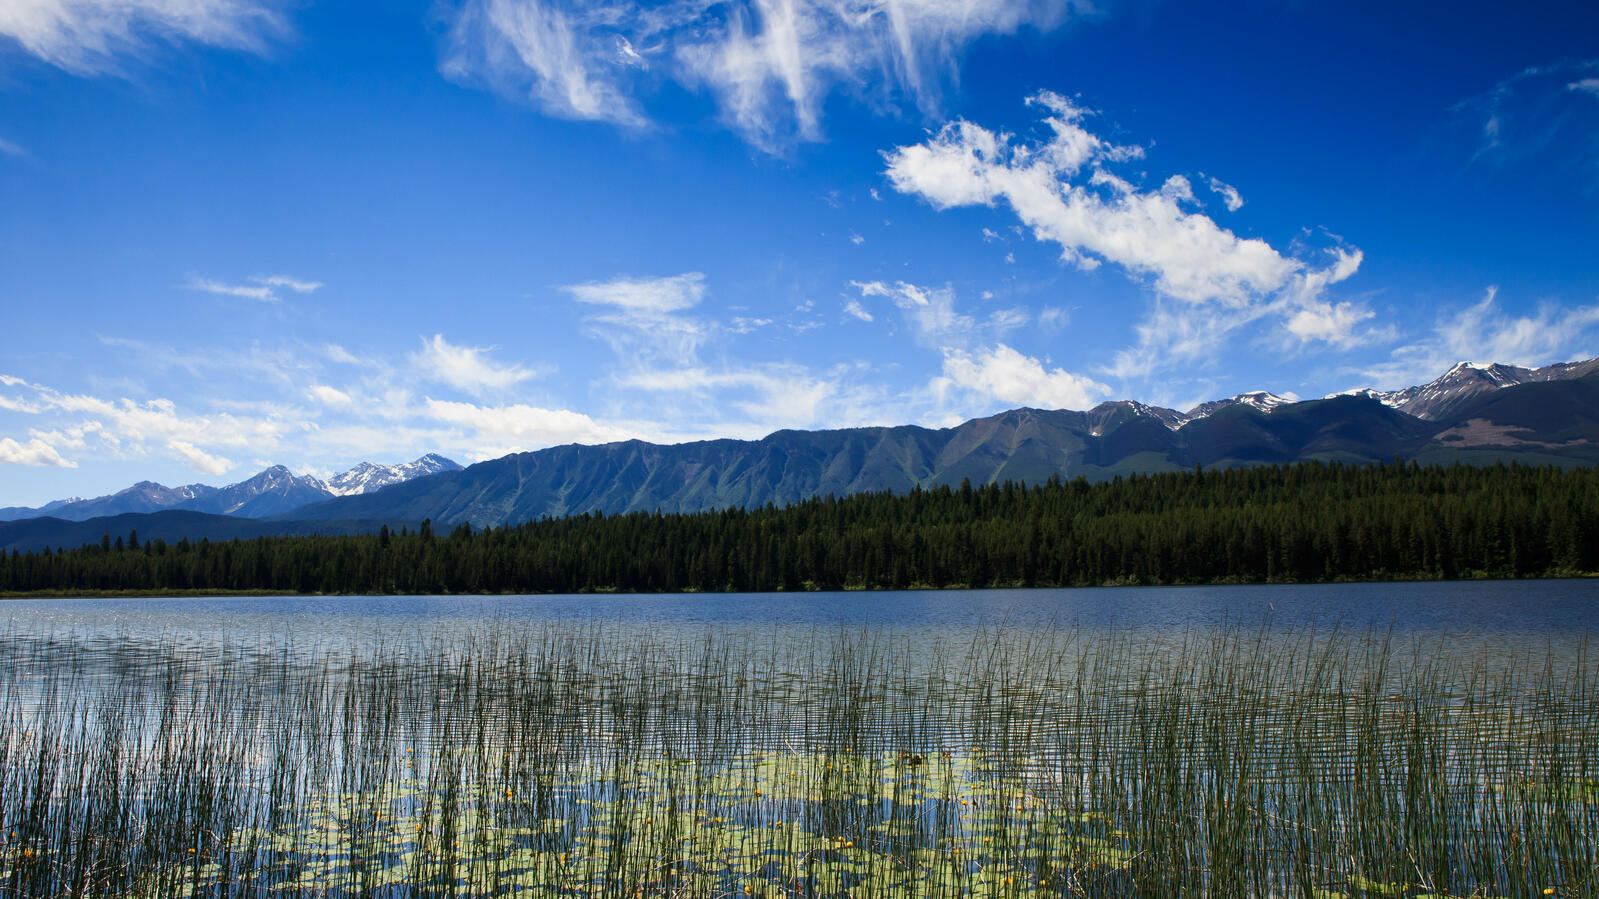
1502, 614
1351, 740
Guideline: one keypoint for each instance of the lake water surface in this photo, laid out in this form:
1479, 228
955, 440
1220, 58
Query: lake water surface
1527, 616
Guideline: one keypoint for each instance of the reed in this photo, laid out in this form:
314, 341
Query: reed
560, 762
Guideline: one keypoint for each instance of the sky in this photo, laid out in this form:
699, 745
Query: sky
237, 233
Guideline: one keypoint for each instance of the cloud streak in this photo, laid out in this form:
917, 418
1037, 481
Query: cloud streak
89, 37
770, 64
263, 288
1484, 332
465, 367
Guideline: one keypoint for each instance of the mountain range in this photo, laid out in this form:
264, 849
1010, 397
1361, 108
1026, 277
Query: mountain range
274, 491
1473, 414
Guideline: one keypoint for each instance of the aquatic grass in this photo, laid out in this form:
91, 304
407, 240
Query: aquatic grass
566, 762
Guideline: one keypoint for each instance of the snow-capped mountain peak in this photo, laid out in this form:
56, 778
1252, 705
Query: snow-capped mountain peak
1259, 400
367, 477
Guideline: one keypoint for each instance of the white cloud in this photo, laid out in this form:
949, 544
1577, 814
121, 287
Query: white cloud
1333, 323
200, 460
929, 310
522, 427
1001, 321
854, 308
1230, 196
11, 149
295, 284
465, 367
1586, 85
34, 452
328, 396
856, 239
129, 428
1008, 375
643, 318
1485, 333
567, 60
248, 291
770, 63
89, 36
1063, 189
644, 296
262, 287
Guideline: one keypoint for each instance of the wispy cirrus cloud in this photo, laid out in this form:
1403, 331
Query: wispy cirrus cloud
1545, 112
95, 36
258, 287
1484, 332
1065, 188
467, 368
770, 64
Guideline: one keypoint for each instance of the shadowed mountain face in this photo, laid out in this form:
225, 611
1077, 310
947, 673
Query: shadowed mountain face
1544, 422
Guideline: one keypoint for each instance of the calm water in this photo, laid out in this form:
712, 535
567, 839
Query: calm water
1499, 615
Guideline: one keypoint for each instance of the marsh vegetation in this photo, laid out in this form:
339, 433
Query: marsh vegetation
547, 761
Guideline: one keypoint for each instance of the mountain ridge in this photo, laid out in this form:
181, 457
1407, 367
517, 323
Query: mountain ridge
1024, 445
270, 492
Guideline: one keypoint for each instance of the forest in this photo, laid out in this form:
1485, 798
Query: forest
1306, 522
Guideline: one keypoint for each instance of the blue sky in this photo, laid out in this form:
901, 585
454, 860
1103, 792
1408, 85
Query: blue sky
235, 233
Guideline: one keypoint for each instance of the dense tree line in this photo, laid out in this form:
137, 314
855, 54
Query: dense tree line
1306, 522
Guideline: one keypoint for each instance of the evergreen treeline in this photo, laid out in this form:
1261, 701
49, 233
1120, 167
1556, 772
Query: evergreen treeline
1306, 522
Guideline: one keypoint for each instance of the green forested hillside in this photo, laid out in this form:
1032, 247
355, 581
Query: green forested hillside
1304, 522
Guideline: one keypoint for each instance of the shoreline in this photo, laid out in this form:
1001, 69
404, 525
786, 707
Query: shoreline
204, 593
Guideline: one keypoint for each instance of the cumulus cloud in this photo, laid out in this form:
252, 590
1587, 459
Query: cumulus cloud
1013, 377
1484, 332
770, 64
465, 367
1064, 188
34, 452
126, 427
93, 36
261, 287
